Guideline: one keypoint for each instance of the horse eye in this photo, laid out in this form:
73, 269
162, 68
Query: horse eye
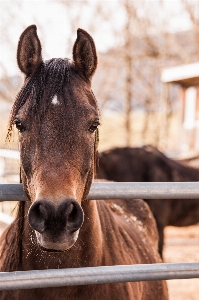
19, 125
94, 126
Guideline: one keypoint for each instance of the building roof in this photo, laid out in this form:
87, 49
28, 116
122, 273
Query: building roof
186, 75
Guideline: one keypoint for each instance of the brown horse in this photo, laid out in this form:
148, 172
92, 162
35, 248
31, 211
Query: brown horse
57, 117
148, 164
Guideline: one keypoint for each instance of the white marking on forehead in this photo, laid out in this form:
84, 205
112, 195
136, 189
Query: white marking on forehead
55, 100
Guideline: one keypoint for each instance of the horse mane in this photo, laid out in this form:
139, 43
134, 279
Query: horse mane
54, 73
13, 253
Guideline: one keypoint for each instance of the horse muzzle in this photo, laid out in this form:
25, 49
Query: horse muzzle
56, 226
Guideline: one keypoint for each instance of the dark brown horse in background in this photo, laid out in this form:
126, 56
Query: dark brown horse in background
57, 117
148, 164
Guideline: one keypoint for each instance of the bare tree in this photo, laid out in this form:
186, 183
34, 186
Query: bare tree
148, 46
128, 60
6, 88
128, 76
192, 9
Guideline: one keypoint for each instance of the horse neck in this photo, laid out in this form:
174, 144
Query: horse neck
87, 250
92, 232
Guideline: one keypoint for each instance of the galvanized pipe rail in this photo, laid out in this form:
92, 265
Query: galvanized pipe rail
106, 274
96, 275
116, 190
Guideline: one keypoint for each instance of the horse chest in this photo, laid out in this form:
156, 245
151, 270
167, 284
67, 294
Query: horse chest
119, 291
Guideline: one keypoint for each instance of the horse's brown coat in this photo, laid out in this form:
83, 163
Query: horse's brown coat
148, 164
58, 149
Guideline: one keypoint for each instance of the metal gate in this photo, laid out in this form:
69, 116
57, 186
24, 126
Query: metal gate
106, 274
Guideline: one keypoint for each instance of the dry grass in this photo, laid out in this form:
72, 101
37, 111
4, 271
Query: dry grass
112, 132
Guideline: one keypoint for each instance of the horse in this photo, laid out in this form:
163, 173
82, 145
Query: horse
57, 117
148, 164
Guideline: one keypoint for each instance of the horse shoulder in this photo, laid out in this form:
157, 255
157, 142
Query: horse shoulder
138, 214
130, 235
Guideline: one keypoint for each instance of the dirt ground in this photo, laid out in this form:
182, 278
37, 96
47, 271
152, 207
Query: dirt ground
182, 245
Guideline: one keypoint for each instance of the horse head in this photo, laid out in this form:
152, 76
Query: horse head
56, 115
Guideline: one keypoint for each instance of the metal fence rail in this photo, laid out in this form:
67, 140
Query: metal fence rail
115, 190
106, 274
96, 275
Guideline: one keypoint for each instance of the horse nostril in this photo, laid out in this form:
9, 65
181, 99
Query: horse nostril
74, 215
45, 217
38, 215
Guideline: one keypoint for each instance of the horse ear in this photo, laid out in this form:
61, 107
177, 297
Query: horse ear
84, 54
29, 51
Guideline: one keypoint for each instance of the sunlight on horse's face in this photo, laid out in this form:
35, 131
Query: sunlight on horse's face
57, 161
57, 156
57, 153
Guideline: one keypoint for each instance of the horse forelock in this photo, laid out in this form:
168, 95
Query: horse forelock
40, 89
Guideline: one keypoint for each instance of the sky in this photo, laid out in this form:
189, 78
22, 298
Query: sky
51, 18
